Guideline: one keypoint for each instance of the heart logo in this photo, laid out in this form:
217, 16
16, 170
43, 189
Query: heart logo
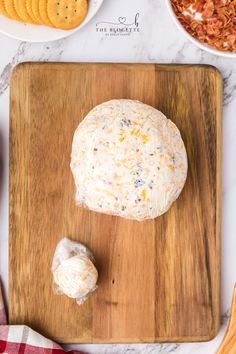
122, 20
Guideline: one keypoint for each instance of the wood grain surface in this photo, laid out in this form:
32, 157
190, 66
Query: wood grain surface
158, 280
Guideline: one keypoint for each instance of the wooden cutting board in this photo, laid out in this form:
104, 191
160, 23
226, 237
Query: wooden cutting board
159, 280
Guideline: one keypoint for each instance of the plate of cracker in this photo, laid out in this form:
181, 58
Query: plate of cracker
45, 20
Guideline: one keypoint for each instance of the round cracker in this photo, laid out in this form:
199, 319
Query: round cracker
3, 10
10, 8
35, 10
44, 13
21, 9
30, 12
67, 14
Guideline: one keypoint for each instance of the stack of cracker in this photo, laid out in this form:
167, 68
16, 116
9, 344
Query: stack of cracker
63, 14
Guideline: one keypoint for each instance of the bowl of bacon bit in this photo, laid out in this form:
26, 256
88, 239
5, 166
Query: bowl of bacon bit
210, 24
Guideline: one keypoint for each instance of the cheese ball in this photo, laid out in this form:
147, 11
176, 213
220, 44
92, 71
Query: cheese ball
128, 160
76, 277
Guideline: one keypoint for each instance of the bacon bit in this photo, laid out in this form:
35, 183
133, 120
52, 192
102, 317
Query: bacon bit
216, 25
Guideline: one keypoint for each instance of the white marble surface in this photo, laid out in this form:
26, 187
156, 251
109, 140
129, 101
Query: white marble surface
160, 42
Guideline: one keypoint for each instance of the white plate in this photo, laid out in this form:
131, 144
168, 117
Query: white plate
193, 40
34, 33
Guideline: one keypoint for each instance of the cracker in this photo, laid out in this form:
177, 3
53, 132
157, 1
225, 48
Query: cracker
43, 12
10, 8
21, 9
30, 12
35, 10
3, 10
67, 14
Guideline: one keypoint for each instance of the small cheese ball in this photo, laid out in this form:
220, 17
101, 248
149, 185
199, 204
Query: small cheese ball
76, 277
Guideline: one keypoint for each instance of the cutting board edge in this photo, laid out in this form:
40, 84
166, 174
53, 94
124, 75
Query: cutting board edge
218, 206
166, 67
141, 340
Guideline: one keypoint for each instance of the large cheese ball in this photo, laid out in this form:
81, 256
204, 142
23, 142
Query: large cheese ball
128, 159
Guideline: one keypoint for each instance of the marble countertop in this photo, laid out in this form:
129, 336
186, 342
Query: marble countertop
157, 41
